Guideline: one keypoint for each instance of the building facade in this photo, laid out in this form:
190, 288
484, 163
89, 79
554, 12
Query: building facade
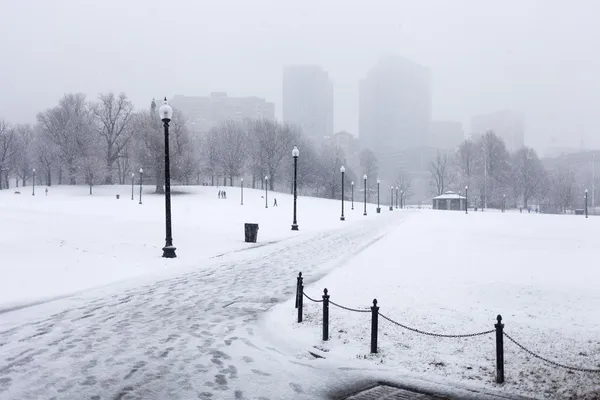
507, 124
308, 101
394, 109
204, 113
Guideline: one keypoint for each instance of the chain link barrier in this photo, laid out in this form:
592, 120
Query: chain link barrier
348, 308
436, 334
311, 299
547, 360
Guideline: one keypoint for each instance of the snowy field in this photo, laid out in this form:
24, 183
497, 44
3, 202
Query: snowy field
451, 273
70, 241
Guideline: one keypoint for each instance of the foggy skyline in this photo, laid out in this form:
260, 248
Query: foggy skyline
533, 56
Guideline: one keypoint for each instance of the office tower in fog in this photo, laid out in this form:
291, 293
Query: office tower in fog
394, 109
308, 101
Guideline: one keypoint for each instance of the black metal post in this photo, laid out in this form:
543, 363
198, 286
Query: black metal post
397, 198
141, 180
378, 208
325, 315
266, 192
132, 184
586, 203
466, 200
342, 218
352, 195
169, 249
499, 350
374, 320
365, 184
33, 192
242, 191
503, 202
392, 198
295, 221
300, 301
298, 285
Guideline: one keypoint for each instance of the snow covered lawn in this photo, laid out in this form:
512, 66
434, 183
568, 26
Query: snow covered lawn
451, 273
70, 241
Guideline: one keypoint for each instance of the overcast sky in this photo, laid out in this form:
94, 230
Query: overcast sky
537, 56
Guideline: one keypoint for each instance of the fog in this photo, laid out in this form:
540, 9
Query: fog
536, 56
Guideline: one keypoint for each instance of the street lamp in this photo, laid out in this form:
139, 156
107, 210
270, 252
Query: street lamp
33, 192
391, 198
342, 170
503, 202
378, 208
242, 189
365, 185
397, 197
266, 192
141, 180
352, 184
295, 154
466, 199
586, 203
132, 184
402, 199
166, 112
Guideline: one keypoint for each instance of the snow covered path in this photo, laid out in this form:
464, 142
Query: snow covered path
190, 336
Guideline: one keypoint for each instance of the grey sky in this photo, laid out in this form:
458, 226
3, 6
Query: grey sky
537, 56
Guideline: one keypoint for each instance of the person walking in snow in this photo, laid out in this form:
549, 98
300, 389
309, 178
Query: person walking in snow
219, 194
274, 202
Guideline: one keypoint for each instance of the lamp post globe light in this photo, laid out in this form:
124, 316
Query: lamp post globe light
365, 188
33, 192
352, 185
166, 113
141, 180
343, 171
295, 154
391, 198
466, 199
266, 192
242, 190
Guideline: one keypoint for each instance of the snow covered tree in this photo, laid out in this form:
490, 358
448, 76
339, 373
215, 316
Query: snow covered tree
369, 165
24, 157
331, 160
465, 158
112, 117
211, 155
441, 173
492, 169
528, 175
562, 187
8, 149
231, 137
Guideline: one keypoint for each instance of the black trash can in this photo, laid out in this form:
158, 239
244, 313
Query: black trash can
251, 232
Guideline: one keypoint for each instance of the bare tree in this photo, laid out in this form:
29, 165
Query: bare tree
112, 116
562, 187
368, 163
441, 173
465, 159
404, 183
528, 174
67, 125
24, 154
231, 138
46, 154
8, 149
492, 169
211, 154
331, 160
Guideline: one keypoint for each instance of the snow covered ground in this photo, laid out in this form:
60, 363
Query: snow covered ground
451, 273
69, 241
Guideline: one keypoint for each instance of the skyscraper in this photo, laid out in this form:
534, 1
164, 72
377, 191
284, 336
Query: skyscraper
394, 109
308, 101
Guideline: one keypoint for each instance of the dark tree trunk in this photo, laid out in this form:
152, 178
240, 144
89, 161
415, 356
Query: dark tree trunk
231, 181
212, 180
253, 182
90, 189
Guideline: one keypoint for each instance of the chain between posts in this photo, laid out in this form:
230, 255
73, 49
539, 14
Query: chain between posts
311, 299
547, 360
436, 334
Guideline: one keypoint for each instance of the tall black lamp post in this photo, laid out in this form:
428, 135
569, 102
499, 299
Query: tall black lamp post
365, 186
343, 171
586, 203
503, 202
33, 192
352, 185
391, 198
295, 154
266, 192
466, 199
378, 208
397, 196
132, 184
242, 190
166, 112
141, 182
